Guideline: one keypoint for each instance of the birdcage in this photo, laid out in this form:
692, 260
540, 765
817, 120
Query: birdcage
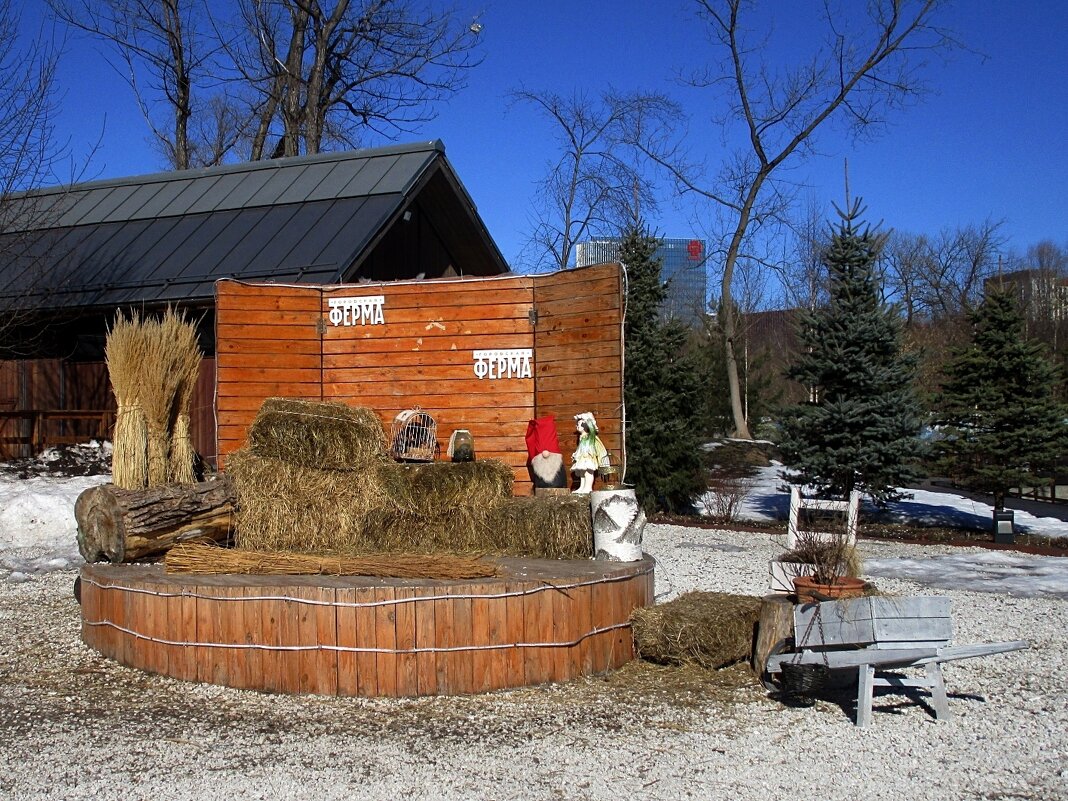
413, 436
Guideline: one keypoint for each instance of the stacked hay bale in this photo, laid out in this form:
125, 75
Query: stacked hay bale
317, 477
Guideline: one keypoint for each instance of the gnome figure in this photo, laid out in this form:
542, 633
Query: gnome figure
590, 454
543, 449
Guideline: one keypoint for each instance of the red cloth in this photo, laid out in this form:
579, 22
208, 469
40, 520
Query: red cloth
541, 436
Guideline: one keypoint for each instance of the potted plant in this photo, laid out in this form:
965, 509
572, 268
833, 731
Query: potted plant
827, 567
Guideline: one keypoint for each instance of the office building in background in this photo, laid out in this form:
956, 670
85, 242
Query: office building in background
682, 269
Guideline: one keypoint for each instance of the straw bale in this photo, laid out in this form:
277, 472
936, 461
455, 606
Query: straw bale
326, 435
286, 507
546, 528
429, 488
212, 559
710, 629
460, 530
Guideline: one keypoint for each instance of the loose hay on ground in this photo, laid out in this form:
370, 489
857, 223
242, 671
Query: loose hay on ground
211, 559
325, 435
710, 629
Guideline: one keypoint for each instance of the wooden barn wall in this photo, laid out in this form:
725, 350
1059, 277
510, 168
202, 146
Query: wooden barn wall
578, 351
422, 354
202, 413
267, 343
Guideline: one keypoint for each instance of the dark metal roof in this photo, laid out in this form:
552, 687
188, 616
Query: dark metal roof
170, 236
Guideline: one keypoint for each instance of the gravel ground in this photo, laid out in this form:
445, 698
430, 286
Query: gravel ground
74, 725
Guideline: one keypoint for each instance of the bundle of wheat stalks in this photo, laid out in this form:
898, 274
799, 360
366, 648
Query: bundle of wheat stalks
153, 365
124, 352
199, 558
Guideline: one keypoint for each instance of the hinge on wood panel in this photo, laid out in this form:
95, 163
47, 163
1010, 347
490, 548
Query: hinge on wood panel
320, 326
532, 315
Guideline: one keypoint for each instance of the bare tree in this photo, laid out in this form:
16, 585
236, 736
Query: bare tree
164, 54
855, 75
29, 158
941, 277
318, 72
593, 188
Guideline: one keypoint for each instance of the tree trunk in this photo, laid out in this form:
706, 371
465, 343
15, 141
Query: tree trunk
775, 627
121, 525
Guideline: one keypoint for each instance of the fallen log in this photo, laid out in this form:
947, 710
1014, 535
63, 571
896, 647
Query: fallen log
123, 525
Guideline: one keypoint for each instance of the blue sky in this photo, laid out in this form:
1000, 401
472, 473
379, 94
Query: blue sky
987, 143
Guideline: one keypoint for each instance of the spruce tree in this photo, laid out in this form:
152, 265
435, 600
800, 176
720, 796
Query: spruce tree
661, 388
1002, 420
859, 430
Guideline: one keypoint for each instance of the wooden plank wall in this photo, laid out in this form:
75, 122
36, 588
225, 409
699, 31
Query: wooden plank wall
578, 351
422, 354
267, 343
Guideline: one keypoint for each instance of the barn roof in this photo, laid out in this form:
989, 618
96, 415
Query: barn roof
170, 236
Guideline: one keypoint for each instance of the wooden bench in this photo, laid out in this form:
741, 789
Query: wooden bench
876, 634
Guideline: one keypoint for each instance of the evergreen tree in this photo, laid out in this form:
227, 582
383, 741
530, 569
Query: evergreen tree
859, 430
661, 389
1002, 419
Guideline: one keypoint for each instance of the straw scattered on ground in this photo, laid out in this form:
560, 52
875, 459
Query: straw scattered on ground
211, 559
709, 629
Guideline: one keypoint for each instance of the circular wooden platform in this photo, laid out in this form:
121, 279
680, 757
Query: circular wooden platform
539, 621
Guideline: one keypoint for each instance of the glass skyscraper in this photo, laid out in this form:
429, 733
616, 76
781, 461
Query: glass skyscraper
683, 270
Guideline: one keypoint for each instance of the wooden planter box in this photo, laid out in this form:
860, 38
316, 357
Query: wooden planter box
484, 354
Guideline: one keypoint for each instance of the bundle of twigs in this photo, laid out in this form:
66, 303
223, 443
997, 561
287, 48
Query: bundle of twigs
187, 357
124, 352
200, 558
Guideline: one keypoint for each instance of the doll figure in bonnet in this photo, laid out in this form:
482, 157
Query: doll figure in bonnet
590, 453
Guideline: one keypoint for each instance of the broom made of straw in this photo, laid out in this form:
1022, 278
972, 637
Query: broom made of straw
124, 352
161, 379
199, 558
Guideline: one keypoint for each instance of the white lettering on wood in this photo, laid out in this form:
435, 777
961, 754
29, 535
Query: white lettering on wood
510, 363
367, 310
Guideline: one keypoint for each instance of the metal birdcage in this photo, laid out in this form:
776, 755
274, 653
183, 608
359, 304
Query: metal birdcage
413, 436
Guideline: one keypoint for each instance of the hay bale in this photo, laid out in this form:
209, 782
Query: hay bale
710, 629
325, 435
396, 531
546, 528
285, 507
436, 487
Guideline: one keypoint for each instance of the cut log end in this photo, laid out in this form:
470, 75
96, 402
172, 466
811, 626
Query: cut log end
121, 525
101, 531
